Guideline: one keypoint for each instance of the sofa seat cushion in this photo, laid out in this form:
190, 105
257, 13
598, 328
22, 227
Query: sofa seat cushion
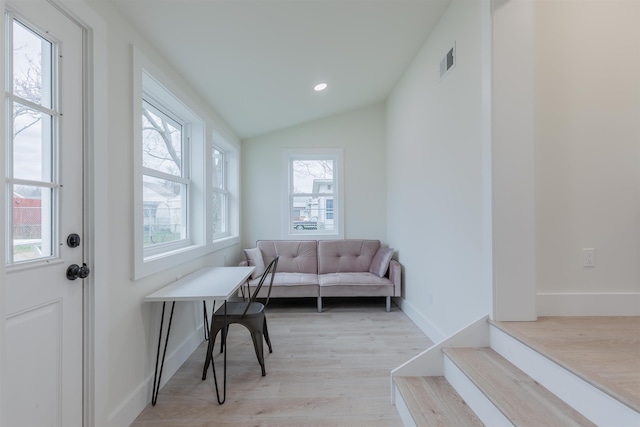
341, 279
290, 285
289, 279
354, 284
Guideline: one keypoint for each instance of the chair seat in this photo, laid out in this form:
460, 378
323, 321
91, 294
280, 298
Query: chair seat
237, 309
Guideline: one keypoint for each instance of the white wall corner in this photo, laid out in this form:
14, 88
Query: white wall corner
513, 162
430, 330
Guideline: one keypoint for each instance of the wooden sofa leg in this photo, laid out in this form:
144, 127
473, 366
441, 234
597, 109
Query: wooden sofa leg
319, 304
388, 304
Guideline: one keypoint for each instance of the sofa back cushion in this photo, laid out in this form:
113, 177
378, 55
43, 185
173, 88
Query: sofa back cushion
346, 256
296, 256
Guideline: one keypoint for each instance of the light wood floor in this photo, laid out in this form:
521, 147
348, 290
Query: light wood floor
604, 351
326, 369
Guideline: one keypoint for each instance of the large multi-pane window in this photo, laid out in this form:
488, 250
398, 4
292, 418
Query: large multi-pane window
186, 175
165, 179
314, 181
32, 180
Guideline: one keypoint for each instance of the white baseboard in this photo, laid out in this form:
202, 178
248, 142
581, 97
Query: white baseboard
429, 329
135, 403
588, 304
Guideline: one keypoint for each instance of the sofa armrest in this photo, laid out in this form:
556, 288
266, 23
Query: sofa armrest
395, 275
244, 263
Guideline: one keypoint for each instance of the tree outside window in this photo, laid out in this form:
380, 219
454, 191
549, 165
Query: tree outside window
165, 182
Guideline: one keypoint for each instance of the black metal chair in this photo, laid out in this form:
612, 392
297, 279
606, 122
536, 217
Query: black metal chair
249, 313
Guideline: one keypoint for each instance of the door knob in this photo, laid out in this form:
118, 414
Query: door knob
75, 271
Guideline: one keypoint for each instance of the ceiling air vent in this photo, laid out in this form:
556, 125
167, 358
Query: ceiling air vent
448, 62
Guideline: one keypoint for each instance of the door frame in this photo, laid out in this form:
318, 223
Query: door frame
95, 171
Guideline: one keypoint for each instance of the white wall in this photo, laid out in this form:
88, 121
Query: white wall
513, 161
362, 136
436, 186
587, 156
133, 327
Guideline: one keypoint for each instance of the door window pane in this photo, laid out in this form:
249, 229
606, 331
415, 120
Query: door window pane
31, 66
31, 175
31, 219
32, 144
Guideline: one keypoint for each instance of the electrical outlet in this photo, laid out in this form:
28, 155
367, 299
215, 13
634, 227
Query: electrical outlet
588, 257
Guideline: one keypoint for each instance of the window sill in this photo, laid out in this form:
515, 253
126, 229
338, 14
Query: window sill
157, 263
313, 236
225, 242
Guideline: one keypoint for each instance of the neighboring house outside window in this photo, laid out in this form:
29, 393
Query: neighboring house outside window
329, 209
314, 180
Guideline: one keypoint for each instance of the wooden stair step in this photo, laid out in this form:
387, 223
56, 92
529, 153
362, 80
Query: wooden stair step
432, 401
518, 396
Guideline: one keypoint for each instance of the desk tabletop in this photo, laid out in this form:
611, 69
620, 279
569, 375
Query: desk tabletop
204, 284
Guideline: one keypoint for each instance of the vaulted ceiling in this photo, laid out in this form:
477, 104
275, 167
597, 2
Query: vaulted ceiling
256, 61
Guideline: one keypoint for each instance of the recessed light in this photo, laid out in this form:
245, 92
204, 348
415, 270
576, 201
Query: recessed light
320, 87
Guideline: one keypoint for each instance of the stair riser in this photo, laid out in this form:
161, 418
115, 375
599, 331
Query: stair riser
403, 410
597, 406
477, 401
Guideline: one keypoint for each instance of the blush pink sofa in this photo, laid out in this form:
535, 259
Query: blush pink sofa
327, 268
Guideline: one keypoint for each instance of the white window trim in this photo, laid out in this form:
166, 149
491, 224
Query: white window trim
185, 178
232, 175
338, 193
200, 205
221, 144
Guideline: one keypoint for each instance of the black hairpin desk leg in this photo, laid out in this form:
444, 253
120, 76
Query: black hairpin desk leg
209, 358
158, 374
206, 320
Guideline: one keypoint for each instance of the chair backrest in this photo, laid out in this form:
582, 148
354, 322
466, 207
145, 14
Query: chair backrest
269, 272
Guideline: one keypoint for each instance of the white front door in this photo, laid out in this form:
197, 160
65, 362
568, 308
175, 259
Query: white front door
44, 149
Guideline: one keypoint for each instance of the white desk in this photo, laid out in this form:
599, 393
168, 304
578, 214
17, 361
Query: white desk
209, 283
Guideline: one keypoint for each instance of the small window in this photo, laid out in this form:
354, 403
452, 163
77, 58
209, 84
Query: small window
220, 194
314, 180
